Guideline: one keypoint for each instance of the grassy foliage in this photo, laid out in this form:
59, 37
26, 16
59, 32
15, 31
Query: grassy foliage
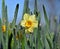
15, 36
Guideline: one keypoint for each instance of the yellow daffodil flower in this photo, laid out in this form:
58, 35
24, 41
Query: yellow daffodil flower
29, 22
3, 28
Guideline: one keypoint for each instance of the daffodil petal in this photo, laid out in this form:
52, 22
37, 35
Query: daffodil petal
30, 30
23, 23
35, 24
26, 16
32, 18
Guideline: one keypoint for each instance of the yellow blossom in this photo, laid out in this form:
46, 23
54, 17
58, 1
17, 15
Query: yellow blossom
3, 28
29, 22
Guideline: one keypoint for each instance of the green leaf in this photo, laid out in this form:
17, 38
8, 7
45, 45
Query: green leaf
35, 37
45, 16
26, 4
3, 11
35, 8
0, 30
47, 46
15, 16
26, 7
6, 17
49, 40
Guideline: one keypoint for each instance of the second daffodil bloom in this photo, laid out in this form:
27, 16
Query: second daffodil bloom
3, 28
29, 22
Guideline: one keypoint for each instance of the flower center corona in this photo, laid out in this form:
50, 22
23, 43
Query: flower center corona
28, 24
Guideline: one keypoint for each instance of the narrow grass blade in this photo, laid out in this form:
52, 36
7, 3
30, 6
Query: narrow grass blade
45, 16
15, 16
0, 31
35, 8
26, 7
3, 11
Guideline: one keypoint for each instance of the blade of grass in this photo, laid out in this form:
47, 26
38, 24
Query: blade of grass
15, 16
0, 31
6, 23
26, 7
3, 11
35, 8
45, 16
13, 25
